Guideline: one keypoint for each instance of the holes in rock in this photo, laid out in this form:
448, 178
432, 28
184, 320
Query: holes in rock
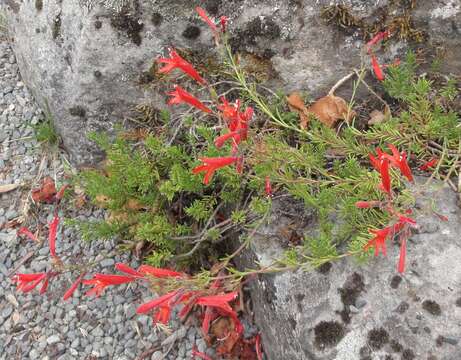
192, 32
377, 338
395, 346
325, 268
432, 307
328, 333
408, 354
39, 5
395, 282
156, 19
403, 307
130, 24
98, 24
77, 111
351, 289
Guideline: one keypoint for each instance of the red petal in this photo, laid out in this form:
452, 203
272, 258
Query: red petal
44, 286
146, 307
223, 21
428, 165
219, 141
207, 319
28, 233
224, 298
110, 279
163, 315
376, 68
126, 269
206, 18
379, 36
52, 235
385, 177
158, 272
259, 352
374, 162
73, 287
268, 186
403, 254
29, 287
363, 204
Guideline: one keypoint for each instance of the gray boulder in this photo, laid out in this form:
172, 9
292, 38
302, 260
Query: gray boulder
90, 61
347, 311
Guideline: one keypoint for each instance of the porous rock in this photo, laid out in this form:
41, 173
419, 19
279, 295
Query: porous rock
307, 314
88, 61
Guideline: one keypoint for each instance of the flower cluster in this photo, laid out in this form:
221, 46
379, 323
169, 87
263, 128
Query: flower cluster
401, 224
378, 71
235, 119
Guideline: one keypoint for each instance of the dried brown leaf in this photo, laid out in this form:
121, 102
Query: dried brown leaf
296, 104
133, 204
329, 109
101, 200
378, 117
46, 192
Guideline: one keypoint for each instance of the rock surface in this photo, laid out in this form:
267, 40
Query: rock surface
89, 61
346, 311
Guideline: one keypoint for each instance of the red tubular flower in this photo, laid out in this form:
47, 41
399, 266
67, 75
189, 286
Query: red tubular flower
127, 270
223, 21
161, 301
101, 281
209, 316
268, 186
398, 160
73, 287
177, 62
385, 177
404, 168
28, 233
44, 286
367, 204
52, 235
189, 299
428, 165
259, 352
403, 254
376, 68
229, 111
376, 163
180, 96
234, 135
28, 282
218, 301
157, 272
210, 165
379, 241
202, 13
378, 37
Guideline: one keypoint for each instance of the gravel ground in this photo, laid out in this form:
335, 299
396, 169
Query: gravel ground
34, 326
